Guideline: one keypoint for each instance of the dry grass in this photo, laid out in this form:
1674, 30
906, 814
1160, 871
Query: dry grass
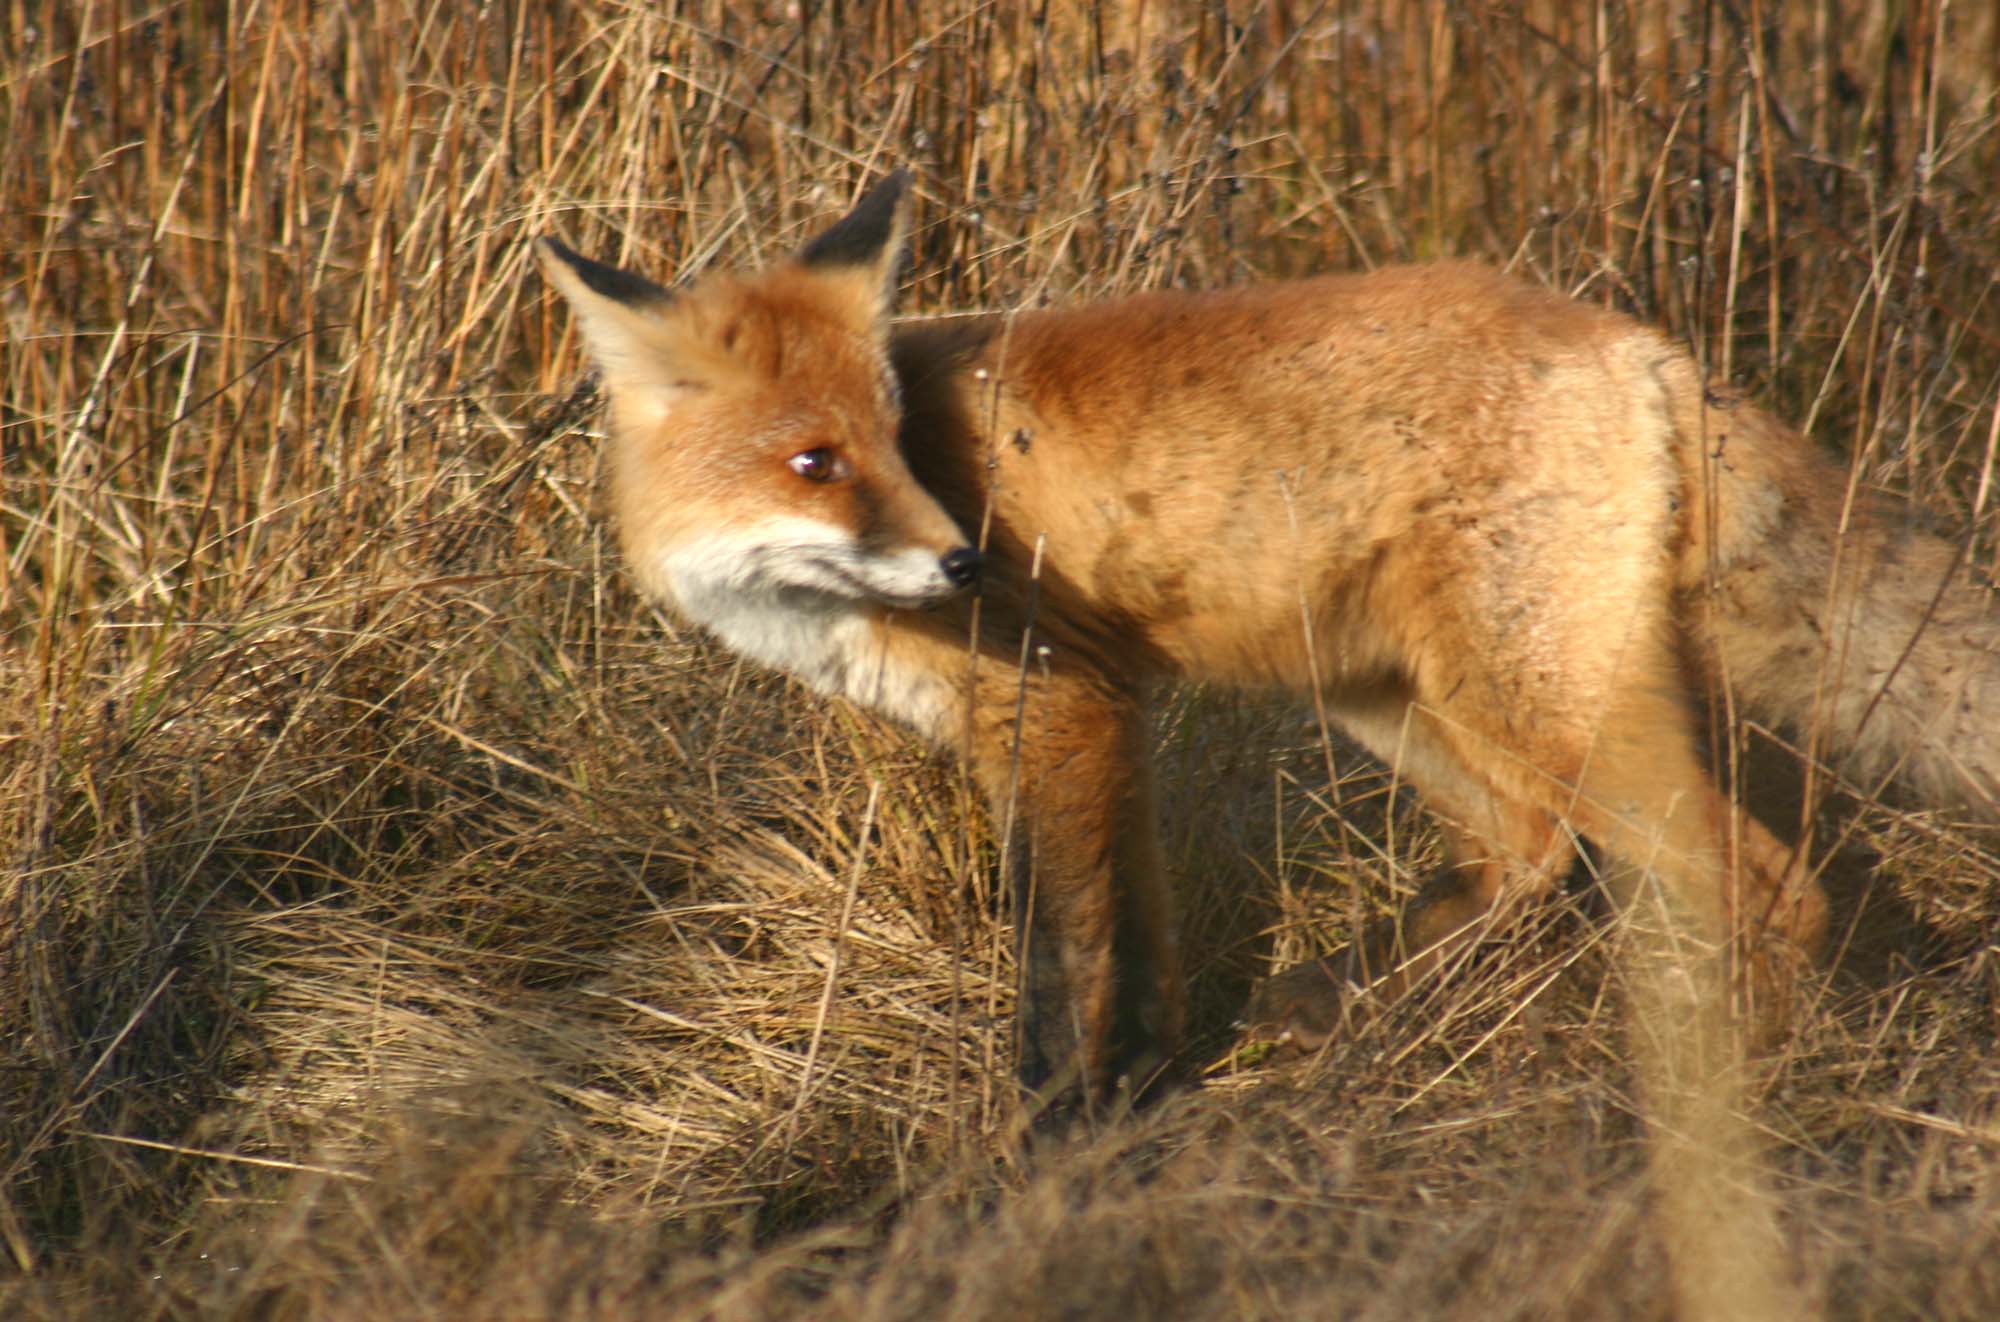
399, 921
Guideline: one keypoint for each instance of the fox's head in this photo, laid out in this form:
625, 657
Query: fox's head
754, 423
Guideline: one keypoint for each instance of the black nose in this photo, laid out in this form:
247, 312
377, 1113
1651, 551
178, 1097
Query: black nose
961, 566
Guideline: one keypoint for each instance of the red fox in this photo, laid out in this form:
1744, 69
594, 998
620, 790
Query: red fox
1510, 541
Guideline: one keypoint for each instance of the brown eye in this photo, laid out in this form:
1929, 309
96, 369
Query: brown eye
816, 465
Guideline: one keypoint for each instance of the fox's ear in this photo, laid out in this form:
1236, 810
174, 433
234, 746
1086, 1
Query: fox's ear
616, 311
867, 243
573, 273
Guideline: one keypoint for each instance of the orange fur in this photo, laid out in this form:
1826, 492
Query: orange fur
1504, 536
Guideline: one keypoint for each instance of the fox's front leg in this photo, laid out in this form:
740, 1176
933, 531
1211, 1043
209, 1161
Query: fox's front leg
1066, 768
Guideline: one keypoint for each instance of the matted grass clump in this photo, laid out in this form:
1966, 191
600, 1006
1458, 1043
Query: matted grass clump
398, 919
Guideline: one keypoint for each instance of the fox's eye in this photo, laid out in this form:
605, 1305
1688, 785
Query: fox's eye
816, 465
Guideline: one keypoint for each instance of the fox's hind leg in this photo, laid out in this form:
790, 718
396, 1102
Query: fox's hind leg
1511, 782
1645, 797
1615, 755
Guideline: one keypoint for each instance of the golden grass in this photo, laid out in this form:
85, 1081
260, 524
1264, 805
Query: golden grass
400, 920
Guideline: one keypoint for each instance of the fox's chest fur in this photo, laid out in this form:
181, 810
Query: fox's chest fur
839, 645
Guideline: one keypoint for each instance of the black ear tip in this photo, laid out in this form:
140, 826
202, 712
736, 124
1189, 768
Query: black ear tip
894, 186
609, 281
858, 238
549, 249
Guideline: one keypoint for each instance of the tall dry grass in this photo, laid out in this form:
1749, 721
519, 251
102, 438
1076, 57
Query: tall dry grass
399, 920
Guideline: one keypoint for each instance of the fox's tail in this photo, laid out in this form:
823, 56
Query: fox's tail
1839, 621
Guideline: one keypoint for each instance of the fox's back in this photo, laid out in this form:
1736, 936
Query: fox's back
1200, 467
